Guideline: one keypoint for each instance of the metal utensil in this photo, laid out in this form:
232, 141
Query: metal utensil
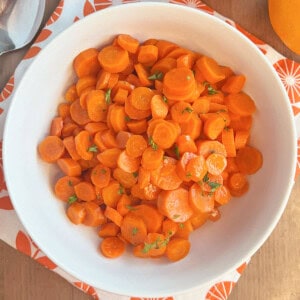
19, 22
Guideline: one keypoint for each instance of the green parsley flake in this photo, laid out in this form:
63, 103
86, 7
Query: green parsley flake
135, 174
187, 109
93, 148
176, 216
156, 76
176, 151
108, 96
72, 199
135, 230
164, 98
152, 144
121, 190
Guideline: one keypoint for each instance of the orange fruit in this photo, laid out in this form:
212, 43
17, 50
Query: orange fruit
285, 20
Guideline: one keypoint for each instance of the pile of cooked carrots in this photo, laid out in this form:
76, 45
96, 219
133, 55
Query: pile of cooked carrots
152, 139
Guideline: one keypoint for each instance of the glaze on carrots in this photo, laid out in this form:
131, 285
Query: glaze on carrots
151, 139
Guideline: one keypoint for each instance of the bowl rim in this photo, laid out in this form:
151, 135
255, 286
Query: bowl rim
59, 37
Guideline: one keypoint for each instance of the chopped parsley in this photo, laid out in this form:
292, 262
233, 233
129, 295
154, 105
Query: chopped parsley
108, 96
72, 199
176, 151
93, 148
187, 109
156, 76
152, 144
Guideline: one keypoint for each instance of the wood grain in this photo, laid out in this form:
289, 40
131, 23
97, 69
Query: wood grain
274, 271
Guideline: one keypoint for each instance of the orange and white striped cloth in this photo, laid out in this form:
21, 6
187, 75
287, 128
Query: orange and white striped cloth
66, 13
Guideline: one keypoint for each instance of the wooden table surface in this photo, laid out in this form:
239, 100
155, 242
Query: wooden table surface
274, 271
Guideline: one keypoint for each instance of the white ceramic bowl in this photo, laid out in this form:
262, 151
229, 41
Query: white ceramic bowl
216, 247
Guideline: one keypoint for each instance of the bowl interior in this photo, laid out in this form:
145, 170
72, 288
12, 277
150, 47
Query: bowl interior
216, 247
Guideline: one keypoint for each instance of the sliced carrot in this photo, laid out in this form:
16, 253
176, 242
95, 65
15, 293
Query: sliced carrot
133, 229
136, 145
200, 201
206, 147
137, 126
113, 215
186, 60
112, 247
96, 105
113, 59
240, 192
128, 163
177, 249
150, 192
163, 65
241, 138
179, 84
228, 142
175, 205
234, 84
213, 126
181, 111
84, 83
184, 230
240, 122
133, 113
164, 134
159, 108
94, 127
182, 164
210, 183
143, 177
196, 168
71, 93
192, 127
100, 176
152, 218
241, 104
108, 229
134, 80
151, 159
164, 47
83, 145
56, 126
69, 143
64, 187
124, 205
76, 213
127, 180
86, 63
122, 138
128, 43
69, 166
117, 118
249, 160
155, 244
143, 75
51, 148
63, 110
112, 193
169, 227
94, 215
147, 55
210, 69
109, 157
120, 96
141, 98
201, 105
85, 191
216, 163
186, 144
199, 219
109, 139
78, 114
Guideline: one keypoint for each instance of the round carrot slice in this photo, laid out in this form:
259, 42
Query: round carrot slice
141, 98
51, 149
113, 59
112, 247
177, 249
